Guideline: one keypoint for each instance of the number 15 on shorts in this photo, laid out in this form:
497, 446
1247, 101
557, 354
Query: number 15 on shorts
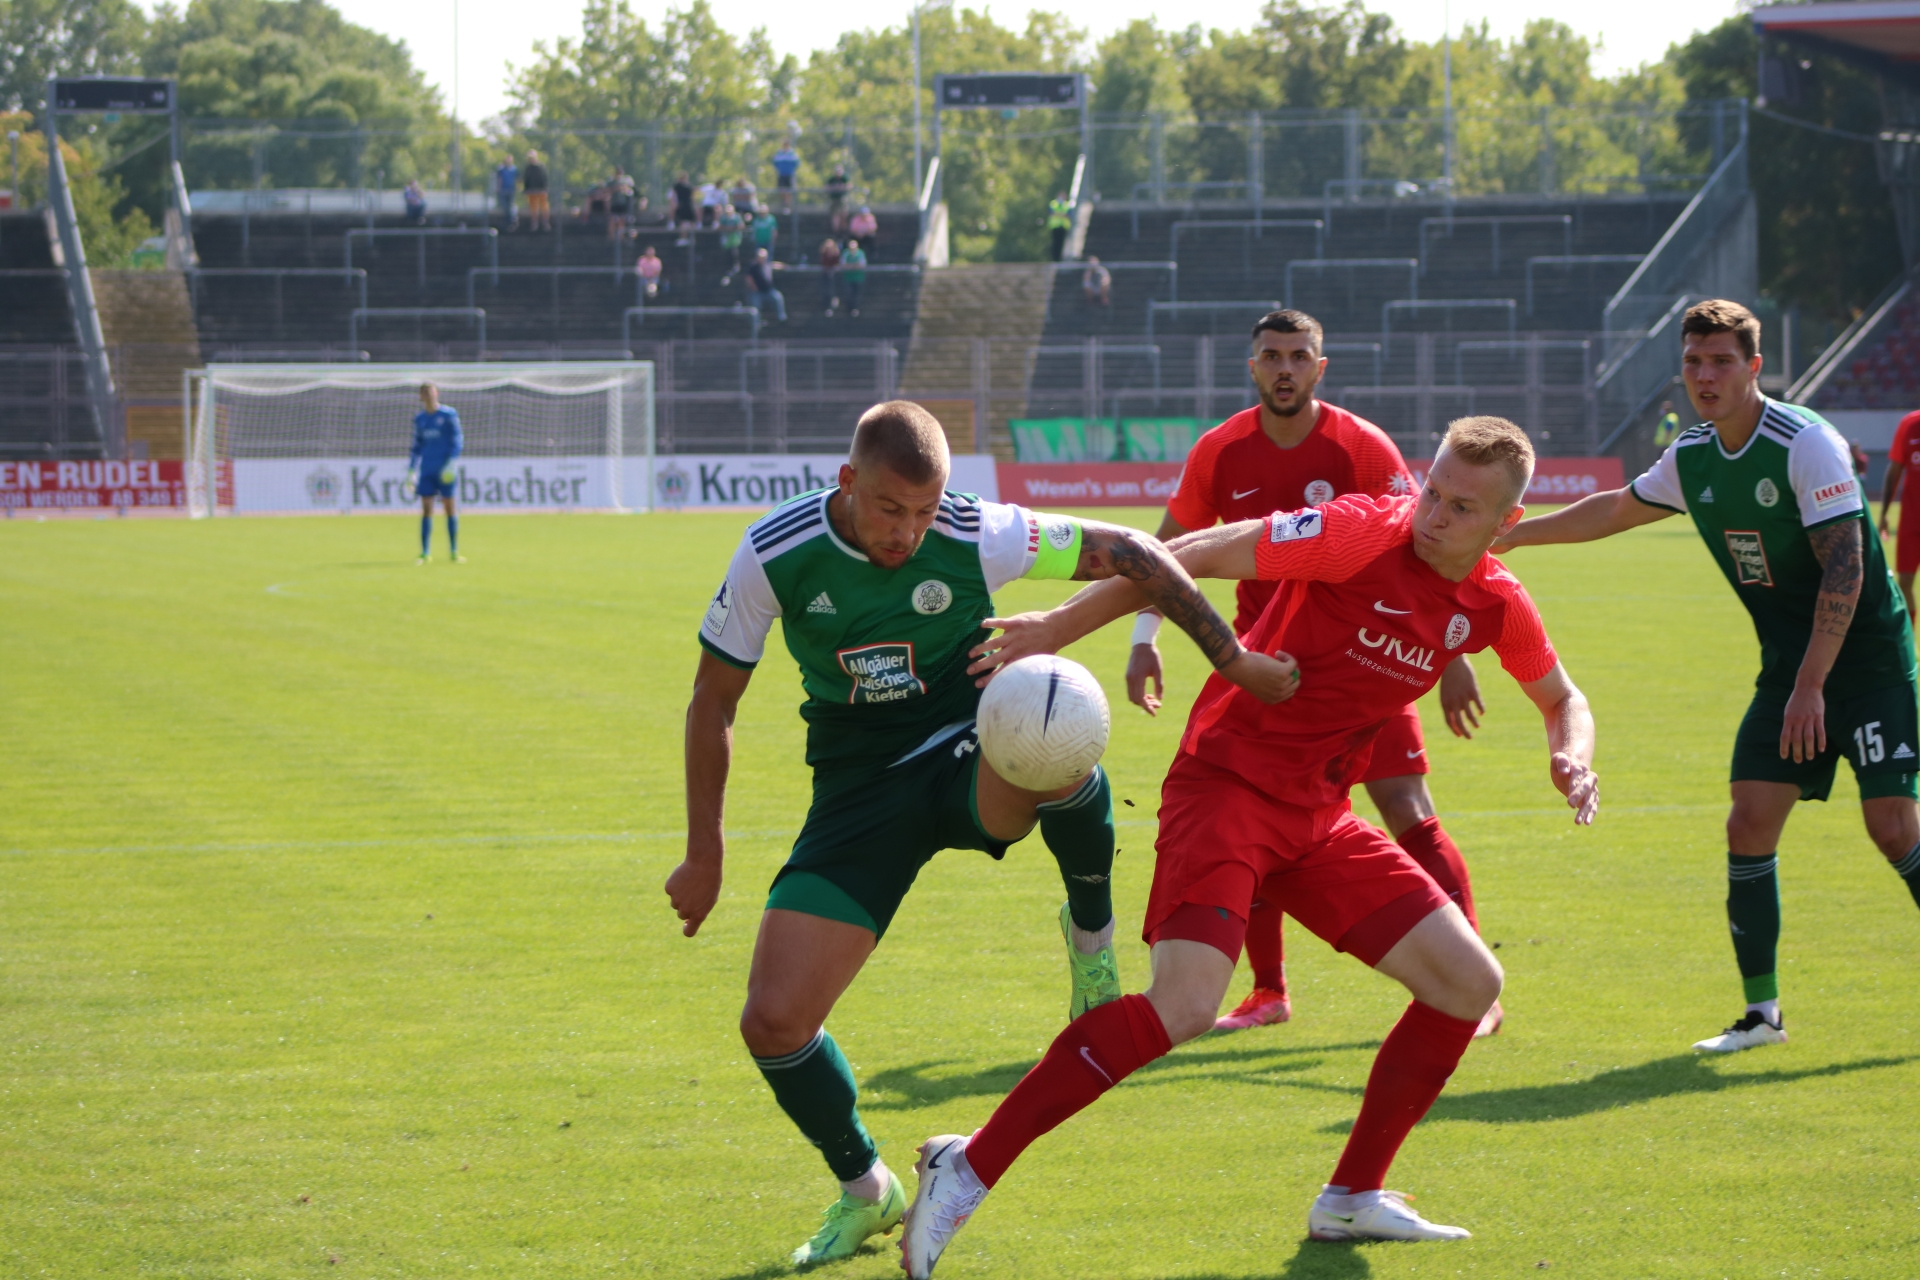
1868, 742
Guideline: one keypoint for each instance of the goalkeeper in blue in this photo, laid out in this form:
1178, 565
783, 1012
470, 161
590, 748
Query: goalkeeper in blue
436, 446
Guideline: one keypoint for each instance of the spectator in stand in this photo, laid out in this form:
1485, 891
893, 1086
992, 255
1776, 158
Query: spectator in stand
1668, 428
745, 196
766, 229
416, 201
853, 274
837, 185
760, 275
533, 180
684, 218
786, 163
1096, 284
829, 271
619, 202
647, 267
1059, 223
865, 227
712, 201
732, 232
506, 187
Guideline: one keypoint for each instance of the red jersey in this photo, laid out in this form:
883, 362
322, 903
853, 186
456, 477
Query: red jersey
1236, 472
1905, 452
1372, 626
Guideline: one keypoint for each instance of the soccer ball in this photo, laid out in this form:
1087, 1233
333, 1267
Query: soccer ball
1043, 722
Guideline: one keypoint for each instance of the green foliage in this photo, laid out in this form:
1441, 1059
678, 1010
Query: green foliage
335, 946
43, 38
724, 99
1827, 236
111, 227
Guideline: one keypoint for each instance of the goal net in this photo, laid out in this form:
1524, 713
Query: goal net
336, 437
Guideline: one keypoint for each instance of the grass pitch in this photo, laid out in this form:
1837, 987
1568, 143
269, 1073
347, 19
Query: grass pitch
334, 945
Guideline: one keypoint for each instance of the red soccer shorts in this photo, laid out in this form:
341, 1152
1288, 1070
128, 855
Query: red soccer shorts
1906, 546
1398, 749
1222, 841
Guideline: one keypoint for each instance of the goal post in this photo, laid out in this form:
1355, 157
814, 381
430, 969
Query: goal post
565, 435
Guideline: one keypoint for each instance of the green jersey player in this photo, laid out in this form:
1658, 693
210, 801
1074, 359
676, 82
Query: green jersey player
882, 585
1772, 490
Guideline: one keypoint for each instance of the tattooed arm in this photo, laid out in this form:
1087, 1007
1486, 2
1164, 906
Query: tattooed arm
1840, 548
1131, 569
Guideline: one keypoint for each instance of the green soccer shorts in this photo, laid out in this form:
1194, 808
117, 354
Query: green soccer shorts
1878, 732
871, 830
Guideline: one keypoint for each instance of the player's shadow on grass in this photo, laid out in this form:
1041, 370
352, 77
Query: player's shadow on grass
919, 1084
1662, 1078
1314, 1260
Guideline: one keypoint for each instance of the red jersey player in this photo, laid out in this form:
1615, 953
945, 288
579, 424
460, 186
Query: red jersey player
1290, 451
1903, 463
1374, 591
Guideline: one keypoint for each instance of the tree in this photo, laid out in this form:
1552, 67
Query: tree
1827, 236
40, 39
714, 104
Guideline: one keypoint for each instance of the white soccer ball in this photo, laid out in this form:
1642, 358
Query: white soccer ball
1043, 722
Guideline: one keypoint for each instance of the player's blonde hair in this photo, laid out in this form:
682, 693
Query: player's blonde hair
1485, 441
904, 438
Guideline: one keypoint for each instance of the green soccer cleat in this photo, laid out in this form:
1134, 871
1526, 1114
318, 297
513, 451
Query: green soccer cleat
1096, 977
848, 1222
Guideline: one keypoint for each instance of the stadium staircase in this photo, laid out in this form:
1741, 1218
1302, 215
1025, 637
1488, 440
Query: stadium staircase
33, 279
975, 335
148, 317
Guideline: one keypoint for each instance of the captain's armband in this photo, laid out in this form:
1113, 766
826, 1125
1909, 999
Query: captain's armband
1056, 542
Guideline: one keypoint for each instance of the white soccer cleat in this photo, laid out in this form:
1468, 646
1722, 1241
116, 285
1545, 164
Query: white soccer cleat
1490, 1022
1373, 1215
946, 1197
1752, 1031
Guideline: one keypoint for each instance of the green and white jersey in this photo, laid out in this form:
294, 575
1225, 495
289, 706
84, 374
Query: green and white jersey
1753, 509
882, 652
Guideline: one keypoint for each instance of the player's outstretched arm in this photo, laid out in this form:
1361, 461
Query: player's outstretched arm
694, 886
1596, 516
1569, 740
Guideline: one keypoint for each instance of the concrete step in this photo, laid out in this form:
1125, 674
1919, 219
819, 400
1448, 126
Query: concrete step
974, 332
147, 316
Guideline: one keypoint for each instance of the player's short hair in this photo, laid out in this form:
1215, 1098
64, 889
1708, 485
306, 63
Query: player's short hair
1722, 315
430, 386
1287, 320
905, 439
1485, 441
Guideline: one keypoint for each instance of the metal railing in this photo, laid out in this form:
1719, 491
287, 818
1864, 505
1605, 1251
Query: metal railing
1449, 221
1259, 227
420, 236
615, 274
475, 314
628, 316
352, 275
1507, 305
1856, 335
1410, 265
1574, 260
1156, 308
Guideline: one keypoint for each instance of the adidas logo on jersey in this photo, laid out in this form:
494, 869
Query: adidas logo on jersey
821, 605
1706, 494
1903, 752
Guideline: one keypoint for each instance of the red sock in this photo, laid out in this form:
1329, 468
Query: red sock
1430, 846
1409, 1072
1266, 950
1098, 1050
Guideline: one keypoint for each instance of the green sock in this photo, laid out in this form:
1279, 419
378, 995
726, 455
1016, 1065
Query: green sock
1079, 832
816, 1089
1753, 913
1908, 869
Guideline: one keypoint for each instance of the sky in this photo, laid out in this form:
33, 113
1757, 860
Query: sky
494, 34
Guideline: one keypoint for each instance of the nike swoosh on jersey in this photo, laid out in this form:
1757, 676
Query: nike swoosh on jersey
1415, 755
1248, 494
1381, 605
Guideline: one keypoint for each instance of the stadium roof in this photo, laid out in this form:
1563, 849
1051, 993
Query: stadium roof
1881, 34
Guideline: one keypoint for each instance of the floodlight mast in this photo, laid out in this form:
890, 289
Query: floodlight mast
1008, 91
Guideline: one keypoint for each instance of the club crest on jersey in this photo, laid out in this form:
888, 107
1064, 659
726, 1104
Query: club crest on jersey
1457, 629
1749, 555
881, 672
717, 611
1319, 491
1291, 526
1766, 493
1393, 647
931, 597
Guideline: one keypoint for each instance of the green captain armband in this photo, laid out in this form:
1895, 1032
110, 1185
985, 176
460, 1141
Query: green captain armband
1059, 547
